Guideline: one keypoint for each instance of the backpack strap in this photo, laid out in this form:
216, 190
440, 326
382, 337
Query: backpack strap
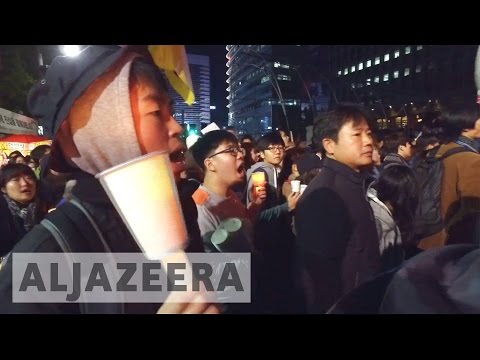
454, 151
66, 223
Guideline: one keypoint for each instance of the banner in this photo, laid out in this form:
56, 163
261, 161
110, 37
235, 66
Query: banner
13, 123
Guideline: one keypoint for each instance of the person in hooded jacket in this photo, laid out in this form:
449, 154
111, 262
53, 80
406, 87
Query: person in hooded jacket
104, 107
273, 233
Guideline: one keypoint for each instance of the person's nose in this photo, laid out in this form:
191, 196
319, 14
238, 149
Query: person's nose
174, 128
367, 139
241, 155
23, 182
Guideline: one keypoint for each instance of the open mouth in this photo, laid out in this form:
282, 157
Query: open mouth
241, 169
178, 156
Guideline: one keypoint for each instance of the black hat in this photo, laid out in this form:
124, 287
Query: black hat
50, 100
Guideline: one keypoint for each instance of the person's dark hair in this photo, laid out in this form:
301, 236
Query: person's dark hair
291, 157
13, 160
328, 125
206, 145
458, 116
393, 141
247, 136
272, 138
37, 153
249, 161
10, 171
426, 140
309, 175
398, 186
192, 169
14, 154
143, 70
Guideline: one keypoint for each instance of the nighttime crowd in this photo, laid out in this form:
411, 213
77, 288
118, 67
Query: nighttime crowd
360, 220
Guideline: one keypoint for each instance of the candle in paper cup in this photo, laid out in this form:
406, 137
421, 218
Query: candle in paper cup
144, 193
258, 178
295, 186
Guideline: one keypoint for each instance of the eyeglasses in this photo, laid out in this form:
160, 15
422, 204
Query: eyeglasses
232, 150
278, 148
27, 178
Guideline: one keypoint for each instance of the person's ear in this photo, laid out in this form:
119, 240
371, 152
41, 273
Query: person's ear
329, 146
4, 190
209, 164
294, 168
262, 155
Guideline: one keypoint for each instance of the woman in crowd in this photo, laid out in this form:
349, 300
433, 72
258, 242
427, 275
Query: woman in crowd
20, 206
393, 198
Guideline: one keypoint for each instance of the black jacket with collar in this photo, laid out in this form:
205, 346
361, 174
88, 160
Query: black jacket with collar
336, 235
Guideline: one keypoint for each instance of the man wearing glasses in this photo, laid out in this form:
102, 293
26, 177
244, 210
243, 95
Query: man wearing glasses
273, 232
222, 160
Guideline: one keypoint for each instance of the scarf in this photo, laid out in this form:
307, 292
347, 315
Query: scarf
26, 213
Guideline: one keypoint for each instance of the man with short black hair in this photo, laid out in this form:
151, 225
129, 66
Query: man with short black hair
336, 235
221, 158
460, 191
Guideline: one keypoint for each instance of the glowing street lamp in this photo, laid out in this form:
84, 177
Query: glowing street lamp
70, 50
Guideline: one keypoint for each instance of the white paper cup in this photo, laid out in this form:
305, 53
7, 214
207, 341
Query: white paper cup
295, 186
302, 188
144, 193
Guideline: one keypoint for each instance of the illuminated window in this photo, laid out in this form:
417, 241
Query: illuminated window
277, 64
352, 69
377, 79
339, 73
419, 47
353, 85
386, 57
377, 60
369, 63
265, 79
360, 66
407, 50
284, 77
406, 72
395, 74
369, 81
385, 77
396, 54
418, 68
345, 71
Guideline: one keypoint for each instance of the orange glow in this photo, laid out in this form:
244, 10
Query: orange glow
258, 178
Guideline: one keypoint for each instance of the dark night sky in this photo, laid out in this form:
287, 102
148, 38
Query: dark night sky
218, 79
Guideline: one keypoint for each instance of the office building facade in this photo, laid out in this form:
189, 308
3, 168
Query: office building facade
196, 115
403, 85
265, 88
